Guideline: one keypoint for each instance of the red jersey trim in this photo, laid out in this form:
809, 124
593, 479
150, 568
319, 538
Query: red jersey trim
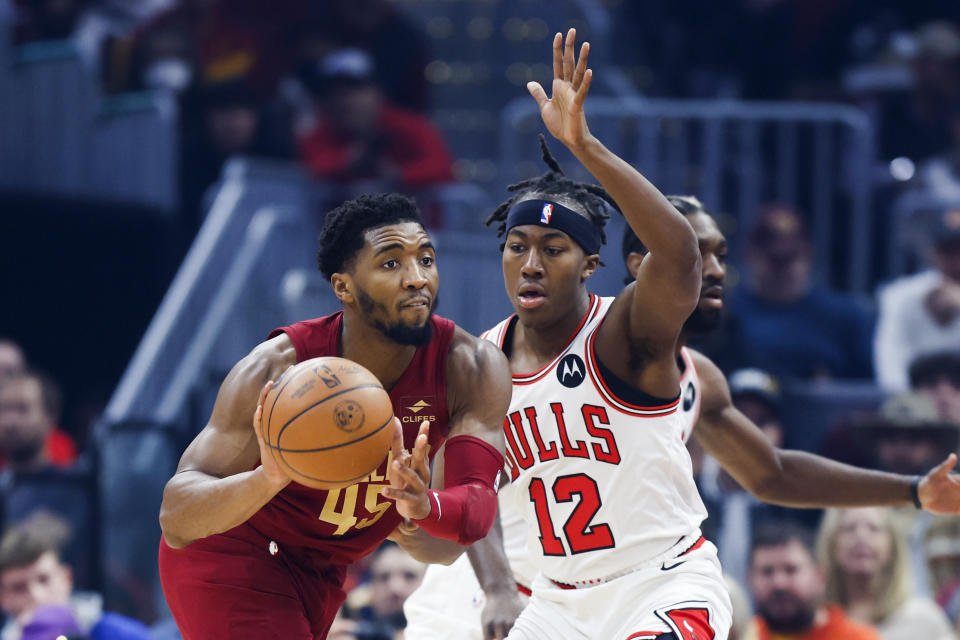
530, 378
620, 405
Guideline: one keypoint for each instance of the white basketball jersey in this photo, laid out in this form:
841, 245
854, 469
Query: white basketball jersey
601, 483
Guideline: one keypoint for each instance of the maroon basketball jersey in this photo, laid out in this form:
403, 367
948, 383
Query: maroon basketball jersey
347, 524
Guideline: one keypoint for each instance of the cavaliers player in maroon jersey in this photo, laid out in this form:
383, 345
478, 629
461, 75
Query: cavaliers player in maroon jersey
245, 552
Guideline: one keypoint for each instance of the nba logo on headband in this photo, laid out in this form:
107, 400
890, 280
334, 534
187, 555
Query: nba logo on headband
546, 213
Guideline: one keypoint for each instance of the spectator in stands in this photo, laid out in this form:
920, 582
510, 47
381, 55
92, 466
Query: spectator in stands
829, 333
12, 361
937, 376
60, 447
36, 594
29, 409
908, 436
223, 119
868, 574
920, 313
31, 483
378, 605
212, 39
788, 589
917, 126
360, 136
397, 46
942, 554
939, 177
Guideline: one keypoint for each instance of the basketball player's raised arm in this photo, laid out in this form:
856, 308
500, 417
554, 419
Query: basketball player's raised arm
461, 504
216, 486
801, 479
668, 282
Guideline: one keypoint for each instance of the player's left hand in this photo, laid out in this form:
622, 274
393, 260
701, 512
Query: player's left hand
562, 113
499, 613
410, 474
939, 490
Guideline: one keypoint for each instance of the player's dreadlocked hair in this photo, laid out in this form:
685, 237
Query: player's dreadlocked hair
687, 205
343, 229
593, 198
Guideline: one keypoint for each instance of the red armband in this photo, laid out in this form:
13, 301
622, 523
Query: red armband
465, 509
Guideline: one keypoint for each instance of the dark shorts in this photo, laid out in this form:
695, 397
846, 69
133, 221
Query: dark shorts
230, 587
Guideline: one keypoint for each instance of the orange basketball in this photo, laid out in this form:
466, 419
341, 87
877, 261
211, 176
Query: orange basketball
328, 422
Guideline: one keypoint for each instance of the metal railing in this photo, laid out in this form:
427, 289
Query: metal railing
736, 157
61, 137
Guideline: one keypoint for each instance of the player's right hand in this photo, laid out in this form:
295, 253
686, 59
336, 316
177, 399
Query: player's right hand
562, 112
410, 475
275, 476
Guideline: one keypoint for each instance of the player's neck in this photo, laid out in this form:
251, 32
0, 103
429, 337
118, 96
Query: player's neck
368, 346
545, 342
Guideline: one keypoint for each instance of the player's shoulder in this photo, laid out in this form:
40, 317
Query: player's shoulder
713, 384
266, 361
473, 361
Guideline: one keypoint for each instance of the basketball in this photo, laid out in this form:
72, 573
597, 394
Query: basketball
328, 422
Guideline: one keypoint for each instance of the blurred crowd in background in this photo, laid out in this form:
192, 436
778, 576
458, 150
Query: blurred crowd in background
347, 90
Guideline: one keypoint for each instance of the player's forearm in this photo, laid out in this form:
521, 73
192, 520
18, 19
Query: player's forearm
656, 222
807, 480
428, 549
196, 505
490, 563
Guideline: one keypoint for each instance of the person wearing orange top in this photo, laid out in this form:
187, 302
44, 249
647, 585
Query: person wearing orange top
788, 589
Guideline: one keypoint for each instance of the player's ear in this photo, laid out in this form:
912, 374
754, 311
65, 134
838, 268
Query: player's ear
343, 287
633, 263
590, 265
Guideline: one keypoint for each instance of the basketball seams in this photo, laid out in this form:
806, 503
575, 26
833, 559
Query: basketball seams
315, 479
319, 402
335, 446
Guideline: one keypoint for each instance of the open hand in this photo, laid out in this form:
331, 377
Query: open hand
275, 475
410, 474
562, 113
940, 490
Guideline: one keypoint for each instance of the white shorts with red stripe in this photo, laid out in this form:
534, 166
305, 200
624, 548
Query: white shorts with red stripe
685, 596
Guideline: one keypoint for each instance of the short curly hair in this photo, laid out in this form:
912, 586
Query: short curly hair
344, 227
593, 198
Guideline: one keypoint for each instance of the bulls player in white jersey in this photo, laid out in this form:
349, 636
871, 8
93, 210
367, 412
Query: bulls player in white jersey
595, 452
450, 602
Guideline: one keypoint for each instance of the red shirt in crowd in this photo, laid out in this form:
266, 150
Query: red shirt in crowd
411, 144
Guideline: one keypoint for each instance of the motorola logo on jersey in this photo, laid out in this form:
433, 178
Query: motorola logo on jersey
571, 371
689, 396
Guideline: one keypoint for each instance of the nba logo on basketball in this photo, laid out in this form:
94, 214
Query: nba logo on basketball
546, 213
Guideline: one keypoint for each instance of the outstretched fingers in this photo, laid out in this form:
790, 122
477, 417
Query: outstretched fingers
569, 55
584, 88
581, 69
537, 92
558, 56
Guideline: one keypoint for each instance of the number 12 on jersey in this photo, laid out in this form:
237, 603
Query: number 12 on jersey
581, 535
